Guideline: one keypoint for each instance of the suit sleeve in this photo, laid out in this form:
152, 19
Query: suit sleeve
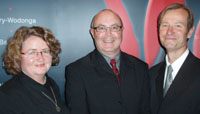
75, 92
146, 93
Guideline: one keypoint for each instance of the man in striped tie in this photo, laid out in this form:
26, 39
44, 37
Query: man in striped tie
175, 82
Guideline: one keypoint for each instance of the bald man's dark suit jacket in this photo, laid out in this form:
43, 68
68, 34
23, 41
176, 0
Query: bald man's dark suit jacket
92, 87
183, 96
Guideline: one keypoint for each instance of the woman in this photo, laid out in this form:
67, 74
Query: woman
29, 56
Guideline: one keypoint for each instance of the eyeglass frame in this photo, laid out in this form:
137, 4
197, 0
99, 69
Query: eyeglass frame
106, 28
34, 53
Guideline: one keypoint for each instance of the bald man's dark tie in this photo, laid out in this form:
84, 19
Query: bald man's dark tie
115, 70
168, 80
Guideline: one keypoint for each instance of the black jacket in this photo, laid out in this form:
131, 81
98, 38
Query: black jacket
23, 95
92, 86
183, 96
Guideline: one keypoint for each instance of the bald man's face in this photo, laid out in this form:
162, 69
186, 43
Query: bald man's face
107, 42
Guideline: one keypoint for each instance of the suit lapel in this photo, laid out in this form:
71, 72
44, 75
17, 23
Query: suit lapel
182, 80
127, 68
159, 82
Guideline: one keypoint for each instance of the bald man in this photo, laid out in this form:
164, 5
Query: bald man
107, 80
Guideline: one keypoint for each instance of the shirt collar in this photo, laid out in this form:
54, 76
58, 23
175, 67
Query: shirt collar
176, 65
117, 59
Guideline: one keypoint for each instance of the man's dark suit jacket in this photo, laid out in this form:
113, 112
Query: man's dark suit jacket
92, 87
183, 96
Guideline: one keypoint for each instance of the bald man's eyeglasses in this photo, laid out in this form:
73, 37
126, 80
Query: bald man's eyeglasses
113, 28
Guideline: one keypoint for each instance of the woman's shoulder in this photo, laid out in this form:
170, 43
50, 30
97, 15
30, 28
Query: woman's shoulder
11, 87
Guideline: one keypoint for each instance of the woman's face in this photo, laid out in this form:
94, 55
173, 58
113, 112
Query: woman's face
36, 58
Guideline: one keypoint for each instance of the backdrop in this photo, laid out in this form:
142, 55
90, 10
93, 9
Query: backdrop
69, 20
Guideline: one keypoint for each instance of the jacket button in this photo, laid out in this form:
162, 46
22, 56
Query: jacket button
119, 102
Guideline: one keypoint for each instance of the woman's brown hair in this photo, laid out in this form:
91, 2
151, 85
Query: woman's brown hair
12, 55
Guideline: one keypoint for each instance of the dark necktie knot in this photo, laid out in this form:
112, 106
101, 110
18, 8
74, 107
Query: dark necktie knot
113, 62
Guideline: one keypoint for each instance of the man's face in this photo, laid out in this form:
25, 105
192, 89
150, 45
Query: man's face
107, 42
173, 30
